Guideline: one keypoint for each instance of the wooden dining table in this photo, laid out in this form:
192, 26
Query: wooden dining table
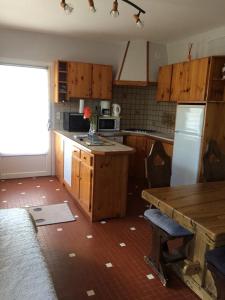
201, 209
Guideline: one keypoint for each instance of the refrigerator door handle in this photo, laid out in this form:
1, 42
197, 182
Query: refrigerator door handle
187, 133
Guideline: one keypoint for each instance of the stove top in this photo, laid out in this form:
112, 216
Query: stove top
141, 130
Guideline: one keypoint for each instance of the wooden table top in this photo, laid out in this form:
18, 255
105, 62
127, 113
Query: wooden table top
197, 207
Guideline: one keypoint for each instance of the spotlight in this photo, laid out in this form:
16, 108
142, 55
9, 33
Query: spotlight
139, 23
92, 6
114, 12
68, 8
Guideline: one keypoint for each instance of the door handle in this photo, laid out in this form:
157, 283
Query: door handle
49, 124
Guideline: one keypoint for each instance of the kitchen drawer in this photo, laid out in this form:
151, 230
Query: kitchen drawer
86, 158
76, 152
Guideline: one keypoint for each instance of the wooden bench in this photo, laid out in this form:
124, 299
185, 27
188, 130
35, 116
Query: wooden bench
158, 170
216, 264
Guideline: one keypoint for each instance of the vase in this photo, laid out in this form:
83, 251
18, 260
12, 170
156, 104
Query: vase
93, 128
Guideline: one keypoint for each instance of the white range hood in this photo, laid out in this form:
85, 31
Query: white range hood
140, 63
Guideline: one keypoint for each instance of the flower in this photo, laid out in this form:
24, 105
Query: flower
87, 112
92, 119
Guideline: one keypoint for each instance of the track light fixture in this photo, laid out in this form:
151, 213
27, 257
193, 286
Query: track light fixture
138, 21
114, 12
68, 8
92, 6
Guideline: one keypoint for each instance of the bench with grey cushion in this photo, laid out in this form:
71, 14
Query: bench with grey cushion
163, 230
23, 272
216, 264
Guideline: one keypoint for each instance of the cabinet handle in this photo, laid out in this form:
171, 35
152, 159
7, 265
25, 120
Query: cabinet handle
84, 157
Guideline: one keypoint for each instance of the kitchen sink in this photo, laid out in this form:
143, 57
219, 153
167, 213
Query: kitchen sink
91, 141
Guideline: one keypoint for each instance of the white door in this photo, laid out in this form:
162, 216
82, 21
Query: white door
190, 118
24, 115
186, 156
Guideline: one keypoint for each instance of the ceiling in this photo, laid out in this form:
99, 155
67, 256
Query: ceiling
165, 20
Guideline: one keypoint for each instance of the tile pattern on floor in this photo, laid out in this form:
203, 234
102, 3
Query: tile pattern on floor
79, 264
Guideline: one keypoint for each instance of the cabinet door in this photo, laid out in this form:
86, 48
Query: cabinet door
79, 80
198, 79
137, 160
164, 83
85, 186
59, 157
75, 175
179, 83
141, 143
102, 82
189, 81
131, 142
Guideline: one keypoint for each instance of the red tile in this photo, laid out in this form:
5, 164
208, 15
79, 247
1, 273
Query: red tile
73, 277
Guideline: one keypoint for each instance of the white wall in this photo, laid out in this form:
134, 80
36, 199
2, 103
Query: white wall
205, 44
38, 47
134, 68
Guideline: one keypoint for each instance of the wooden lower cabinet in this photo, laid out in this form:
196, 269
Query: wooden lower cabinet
99, 184
131, 142
98, 181
142, 145
59, 158
75, 186
86, 182
82, 170
110, 176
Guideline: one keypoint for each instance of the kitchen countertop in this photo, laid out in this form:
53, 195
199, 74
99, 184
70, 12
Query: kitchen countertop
110, 147
167, 137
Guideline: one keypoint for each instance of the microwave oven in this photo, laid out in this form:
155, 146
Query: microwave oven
75, 122
107, 123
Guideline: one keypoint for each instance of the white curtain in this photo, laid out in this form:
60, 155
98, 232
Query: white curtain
24, 110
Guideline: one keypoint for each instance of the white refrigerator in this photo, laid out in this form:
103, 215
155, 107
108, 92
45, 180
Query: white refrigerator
187, 144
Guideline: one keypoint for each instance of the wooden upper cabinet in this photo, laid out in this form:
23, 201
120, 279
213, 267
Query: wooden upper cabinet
185, 82
164, 83
189, 80
60, 81
197, 80
102, 82
178, 81
79, 80
216, 90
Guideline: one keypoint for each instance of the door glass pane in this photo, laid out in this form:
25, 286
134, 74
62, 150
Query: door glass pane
24, 110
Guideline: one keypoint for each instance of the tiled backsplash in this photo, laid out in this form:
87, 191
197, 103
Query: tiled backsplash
139, 109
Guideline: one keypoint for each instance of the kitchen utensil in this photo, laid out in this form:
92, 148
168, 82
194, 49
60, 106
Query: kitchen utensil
116, 109
105, 108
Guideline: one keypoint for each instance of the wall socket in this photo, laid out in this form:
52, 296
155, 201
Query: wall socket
57, 115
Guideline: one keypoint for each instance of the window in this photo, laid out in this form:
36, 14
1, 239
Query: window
24, 110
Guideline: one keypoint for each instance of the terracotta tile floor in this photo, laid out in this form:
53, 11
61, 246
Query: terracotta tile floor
77, 263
